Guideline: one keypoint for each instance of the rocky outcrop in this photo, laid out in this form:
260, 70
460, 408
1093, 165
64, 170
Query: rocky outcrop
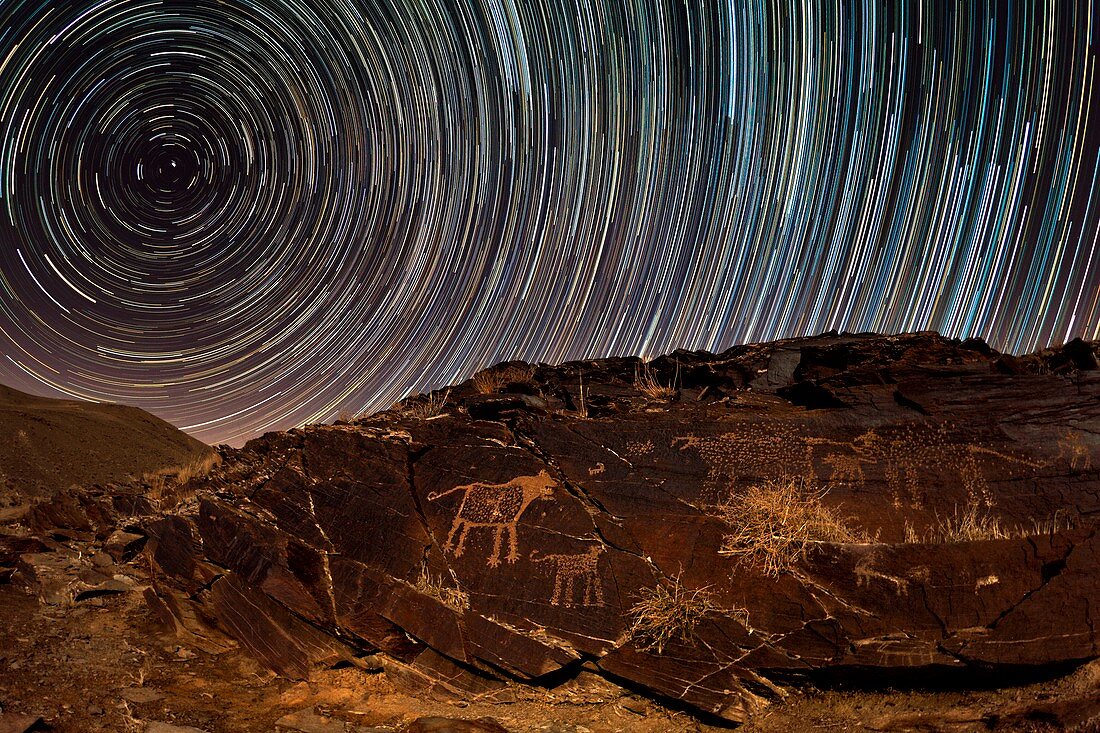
544, 521
48, 445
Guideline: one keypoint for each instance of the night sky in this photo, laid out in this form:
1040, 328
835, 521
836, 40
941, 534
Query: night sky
245, 215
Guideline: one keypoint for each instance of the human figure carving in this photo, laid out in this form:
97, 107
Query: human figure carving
497, 507
1073, 449
568, 569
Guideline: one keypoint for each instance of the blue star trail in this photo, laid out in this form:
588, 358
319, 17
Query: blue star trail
252, 214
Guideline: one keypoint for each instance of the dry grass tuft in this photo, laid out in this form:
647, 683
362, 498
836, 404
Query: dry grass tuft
489, 381
969, 526
671, 611
454, 598
171, 478
198, 468
1062, 521
645, 381
427, 406
973, 525
582, 409
777, 523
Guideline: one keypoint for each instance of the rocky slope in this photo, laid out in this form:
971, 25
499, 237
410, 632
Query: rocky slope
713, 531
47, 445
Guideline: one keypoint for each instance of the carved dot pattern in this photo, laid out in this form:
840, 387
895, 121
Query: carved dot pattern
250, 214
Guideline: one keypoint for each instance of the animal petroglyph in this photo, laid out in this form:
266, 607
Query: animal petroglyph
497, 507
844, 468
906, 455
769, 451
1073, 449
597, 470
866, 572
909, 452
571, 569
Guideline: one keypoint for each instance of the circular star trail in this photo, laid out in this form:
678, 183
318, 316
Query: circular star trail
251, 214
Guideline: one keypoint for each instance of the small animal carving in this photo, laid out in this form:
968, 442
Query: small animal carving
845, 468
497, 507
569, 569
866, 572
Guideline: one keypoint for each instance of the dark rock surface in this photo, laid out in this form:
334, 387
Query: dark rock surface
512, 536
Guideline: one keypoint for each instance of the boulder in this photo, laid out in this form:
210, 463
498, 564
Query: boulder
708, 529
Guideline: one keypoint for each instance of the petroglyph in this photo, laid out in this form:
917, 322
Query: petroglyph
844, 468
497, 507
907, 453
986, 582
569, 570
597, 469
866, 572
1072, 448
770, 451
640, 448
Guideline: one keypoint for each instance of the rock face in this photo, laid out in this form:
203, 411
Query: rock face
550, 520
48, 445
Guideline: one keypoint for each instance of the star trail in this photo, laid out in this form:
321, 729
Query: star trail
245, 215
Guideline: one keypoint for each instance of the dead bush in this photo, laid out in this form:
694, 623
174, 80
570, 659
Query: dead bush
490, 381
776, 523
427, 406
429, 585
671, 611
645, 381
167, 481
198, 468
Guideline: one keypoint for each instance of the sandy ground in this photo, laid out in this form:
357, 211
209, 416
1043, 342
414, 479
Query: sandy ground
103, 665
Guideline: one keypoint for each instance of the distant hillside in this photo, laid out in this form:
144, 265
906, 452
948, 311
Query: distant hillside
47, 445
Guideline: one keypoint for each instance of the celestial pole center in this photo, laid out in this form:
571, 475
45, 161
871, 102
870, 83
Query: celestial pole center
245, 215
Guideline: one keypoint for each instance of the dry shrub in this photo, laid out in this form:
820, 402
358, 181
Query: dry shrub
427, 406
645, 381
166, 479
776, 523
429, 585
671, 611
489, 381
198, 468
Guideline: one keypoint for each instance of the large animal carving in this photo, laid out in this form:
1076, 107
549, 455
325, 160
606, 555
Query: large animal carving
569, 569
908, 452
765, 450
497, 507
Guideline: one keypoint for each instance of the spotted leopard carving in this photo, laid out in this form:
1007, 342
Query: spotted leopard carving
762, 450
494, 506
